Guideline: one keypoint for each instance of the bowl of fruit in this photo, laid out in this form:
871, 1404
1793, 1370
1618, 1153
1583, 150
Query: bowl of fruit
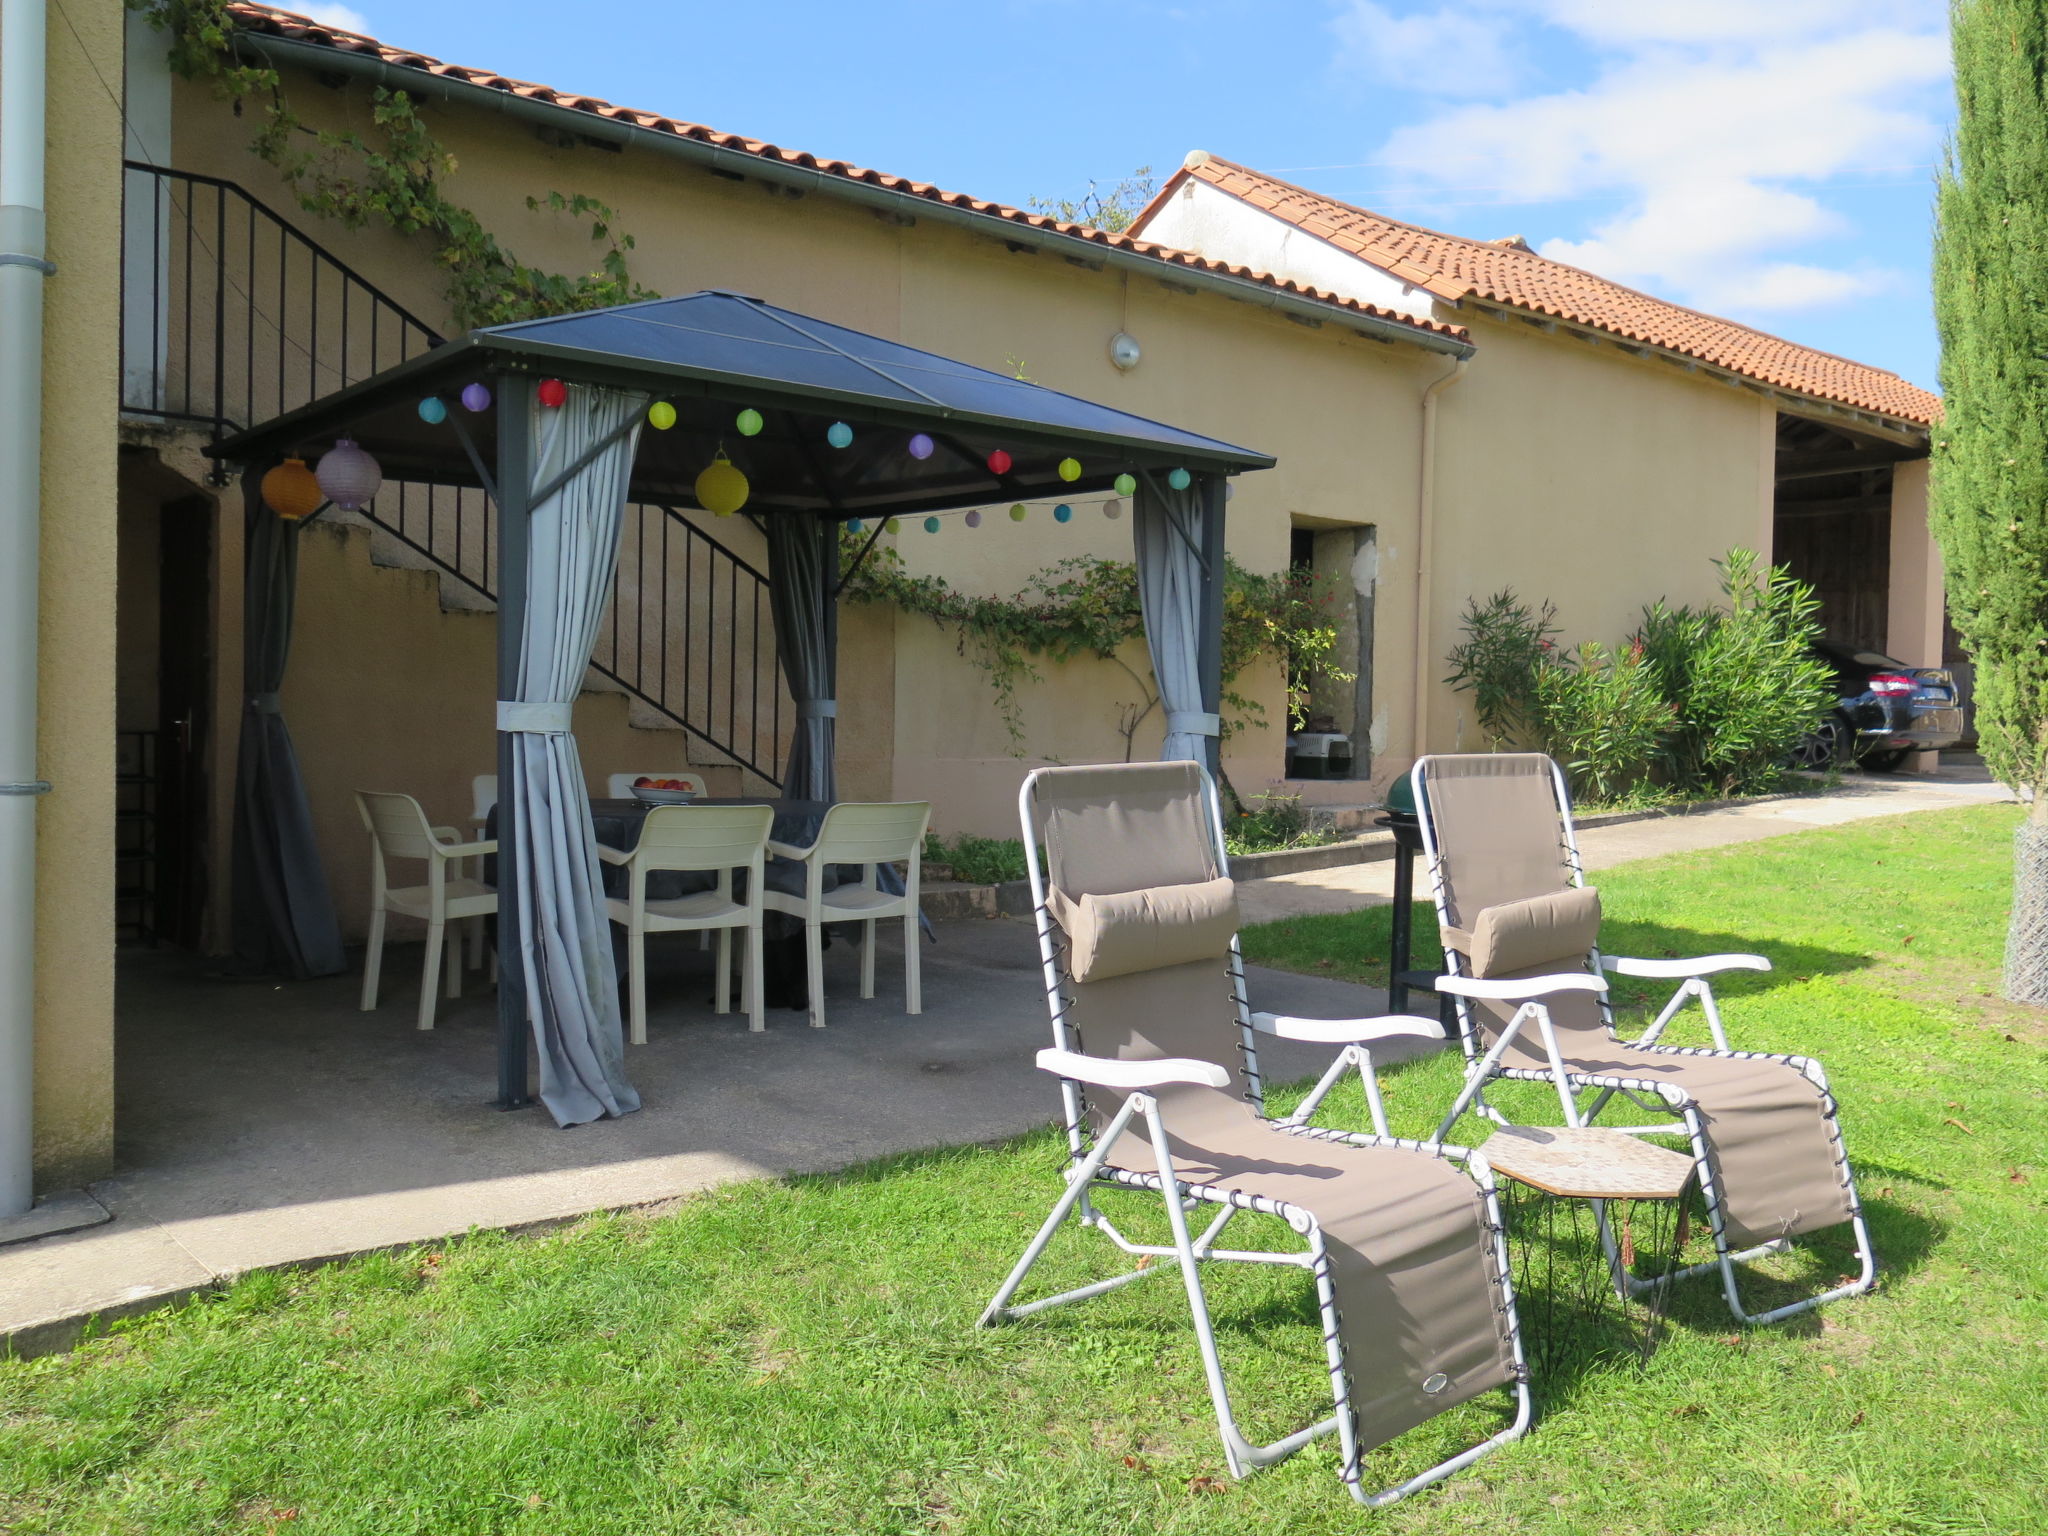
662, 791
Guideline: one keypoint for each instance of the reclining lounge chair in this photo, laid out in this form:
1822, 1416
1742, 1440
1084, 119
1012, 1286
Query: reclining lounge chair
1520, 932
1137, 932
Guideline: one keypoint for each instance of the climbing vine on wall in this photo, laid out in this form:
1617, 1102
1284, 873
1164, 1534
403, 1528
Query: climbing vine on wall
392, 176
1088, 606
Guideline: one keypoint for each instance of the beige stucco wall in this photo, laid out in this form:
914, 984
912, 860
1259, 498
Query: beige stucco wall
1596, 480
74, 1088
1337, 410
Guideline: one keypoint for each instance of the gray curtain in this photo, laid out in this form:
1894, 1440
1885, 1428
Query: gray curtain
1166, 532
803, 570
565, 940
281, 912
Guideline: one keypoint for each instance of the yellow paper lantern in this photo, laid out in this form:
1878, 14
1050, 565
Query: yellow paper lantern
721, 489
661, 415
291, 492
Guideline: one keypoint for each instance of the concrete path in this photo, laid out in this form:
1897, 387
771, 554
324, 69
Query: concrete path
265, 1125
1859, 797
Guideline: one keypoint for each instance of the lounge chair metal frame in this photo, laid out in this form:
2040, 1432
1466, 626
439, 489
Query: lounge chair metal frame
1089, 1167
1651, 1097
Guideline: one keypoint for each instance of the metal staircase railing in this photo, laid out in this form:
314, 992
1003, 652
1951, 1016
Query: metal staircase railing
231, 316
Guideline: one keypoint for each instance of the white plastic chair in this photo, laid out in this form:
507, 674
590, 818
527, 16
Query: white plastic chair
398, 829
718, 838
871, 836
620, 785
483, 794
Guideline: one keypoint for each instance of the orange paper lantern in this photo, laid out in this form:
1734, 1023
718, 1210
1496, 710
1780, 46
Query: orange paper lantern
291, 492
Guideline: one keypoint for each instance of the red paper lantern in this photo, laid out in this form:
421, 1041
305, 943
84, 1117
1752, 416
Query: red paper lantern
553, 393
999, 463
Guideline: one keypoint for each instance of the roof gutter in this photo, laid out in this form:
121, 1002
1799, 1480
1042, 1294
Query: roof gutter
319, 58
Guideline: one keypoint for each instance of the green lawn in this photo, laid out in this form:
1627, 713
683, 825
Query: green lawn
798, 1357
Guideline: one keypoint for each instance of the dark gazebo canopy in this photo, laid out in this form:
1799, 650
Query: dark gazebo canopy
710, 354
560, 479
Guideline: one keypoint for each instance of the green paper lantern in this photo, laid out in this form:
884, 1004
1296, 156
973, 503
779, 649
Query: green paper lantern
1070, 469
1017, 513
748, 421
894, 525
1126, 485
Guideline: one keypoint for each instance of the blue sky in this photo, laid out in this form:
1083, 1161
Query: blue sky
1770, 160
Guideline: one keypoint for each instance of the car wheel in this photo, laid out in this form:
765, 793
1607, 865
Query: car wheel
1885, 760
1824, 747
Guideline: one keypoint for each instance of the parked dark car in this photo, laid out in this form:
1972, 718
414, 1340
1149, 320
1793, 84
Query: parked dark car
1885, 711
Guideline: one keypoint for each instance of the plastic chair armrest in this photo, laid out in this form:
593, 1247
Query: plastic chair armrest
443, 834
1520, 988
1679, 970
789, 851
1392, 1026
1104, 1073
469, 850
614, 855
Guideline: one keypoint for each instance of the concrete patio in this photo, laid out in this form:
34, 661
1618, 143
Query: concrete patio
267, 1125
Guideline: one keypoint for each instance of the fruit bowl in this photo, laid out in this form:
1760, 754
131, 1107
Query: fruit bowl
654, 796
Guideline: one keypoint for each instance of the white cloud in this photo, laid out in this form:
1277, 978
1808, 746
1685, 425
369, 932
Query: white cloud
1712, 124
1443, 52
346, 18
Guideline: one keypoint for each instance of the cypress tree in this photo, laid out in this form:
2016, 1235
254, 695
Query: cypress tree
1990, 463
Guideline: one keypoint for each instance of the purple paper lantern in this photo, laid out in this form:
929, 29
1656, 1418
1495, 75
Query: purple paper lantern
973, 519
475, 397
920, 446
348, 476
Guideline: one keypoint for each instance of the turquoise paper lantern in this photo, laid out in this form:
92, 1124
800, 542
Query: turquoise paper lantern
839, 434
931, 525
433, 410
1063, 513
1179, 479
853, 525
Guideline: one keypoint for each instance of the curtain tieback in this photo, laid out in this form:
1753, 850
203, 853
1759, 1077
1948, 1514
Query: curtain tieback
817, 709
1193, 722
548, 719
264, 704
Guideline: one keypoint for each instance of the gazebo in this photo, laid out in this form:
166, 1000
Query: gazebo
563, 421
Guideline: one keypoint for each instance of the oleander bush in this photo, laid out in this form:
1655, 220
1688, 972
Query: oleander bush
1697, 701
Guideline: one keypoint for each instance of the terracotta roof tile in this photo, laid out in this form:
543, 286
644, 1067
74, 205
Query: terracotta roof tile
271, 22
1500, 272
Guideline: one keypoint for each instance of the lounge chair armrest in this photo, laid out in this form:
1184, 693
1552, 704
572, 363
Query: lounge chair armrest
1104, 1073
1680, 970
469, 850
1516, 989
1392, 1026
789, 851
614, 855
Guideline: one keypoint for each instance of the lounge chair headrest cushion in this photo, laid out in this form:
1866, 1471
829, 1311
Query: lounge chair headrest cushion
1146, 930
1518, 936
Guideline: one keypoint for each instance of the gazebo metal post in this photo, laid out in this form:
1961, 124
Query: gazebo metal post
515, 479
1209, 643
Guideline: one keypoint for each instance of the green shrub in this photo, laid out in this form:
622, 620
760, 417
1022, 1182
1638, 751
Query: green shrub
1707, 700
1755, 687
977, 860
1266, 822
1601, 714
1505, 646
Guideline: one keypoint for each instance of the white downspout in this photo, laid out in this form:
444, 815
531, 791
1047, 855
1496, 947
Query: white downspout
22, 270
1425, 539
